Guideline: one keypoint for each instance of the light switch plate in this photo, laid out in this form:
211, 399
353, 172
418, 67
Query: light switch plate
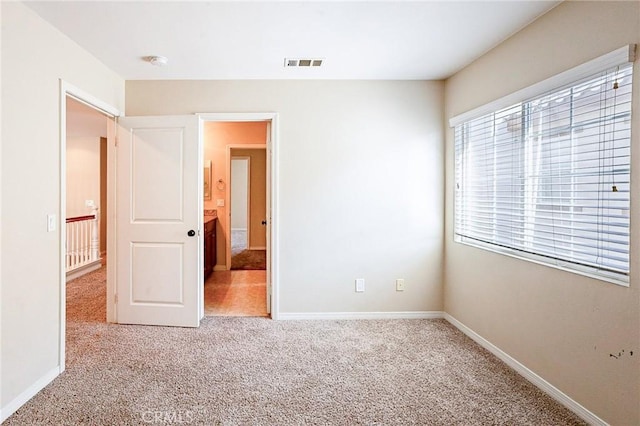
359, 285
51, 222
220, 202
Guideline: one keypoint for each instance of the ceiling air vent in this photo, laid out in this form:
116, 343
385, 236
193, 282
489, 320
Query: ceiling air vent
302, 62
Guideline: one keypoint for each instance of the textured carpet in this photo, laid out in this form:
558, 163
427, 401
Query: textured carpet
255, 371
249, 260
243, 258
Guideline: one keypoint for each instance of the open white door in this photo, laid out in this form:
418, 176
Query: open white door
158, 216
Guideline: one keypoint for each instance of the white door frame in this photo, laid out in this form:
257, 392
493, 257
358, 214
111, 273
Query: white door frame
69, 90
273, 300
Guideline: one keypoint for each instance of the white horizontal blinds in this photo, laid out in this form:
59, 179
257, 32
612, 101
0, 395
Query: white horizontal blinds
550, 175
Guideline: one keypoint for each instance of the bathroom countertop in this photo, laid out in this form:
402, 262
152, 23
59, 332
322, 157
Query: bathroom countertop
210, 215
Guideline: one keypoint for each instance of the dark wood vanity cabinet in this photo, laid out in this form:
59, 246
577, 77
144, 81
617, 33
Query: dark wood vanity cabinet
209, 246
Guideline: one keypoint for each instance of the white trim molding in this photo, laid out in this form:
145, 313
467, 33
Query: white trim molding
88, 99
619, 56
27, 394
83, 270
360, 315
528, 374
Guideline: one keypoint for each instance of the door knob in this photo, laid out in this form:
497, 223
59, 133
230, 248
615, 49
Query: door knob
264, 222
191, 233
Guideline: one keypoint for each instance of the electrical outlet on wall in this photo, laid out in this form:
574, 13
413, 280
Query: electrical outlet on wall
400, 284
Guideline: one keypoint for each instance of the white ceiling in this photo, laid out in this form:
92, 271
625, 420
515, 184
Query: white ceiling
250, 39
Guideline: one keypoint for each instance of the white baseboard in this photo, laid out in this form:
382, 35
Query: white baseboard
239, 229
359, 315
29, 393
528, 374
555, 393
83, 270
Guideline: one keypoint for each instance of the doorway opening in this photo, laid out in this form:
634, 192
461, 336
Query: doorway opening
239, 148
85, 207
86, 189
248, 242
87, 128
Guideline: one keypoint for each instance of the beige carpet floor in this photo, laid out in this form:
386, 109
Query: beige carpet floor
255, 371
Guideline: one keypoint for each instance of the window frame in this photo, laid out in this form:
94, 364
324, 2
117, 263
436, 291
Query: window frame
620, 56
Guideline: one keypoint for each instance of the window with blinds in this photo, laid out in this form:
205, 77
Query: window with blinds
548, 178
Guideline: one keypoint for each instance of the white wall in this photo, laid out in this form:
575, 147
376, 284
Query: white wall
83, 121
239, 193
361, 195
85, 126
361, 180
560, 325
34, 57
83, 174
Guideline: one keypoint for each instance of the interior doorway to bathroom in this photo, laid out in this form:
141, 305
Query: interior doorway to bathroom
239, 151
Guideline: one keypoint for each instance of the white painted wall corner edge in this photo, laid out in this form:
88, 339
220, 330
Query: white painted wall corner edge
27, 394
525, 372
360, 315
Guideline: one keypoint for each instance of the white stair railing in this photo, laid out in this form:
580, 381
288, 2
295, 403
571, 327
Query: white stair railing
82, 241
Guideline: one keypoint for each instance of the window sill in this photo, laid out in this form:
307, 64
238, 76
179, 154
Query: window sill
610, 277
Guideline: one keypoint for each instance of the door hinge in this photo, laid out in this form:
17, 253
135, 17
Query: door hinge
115, 298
